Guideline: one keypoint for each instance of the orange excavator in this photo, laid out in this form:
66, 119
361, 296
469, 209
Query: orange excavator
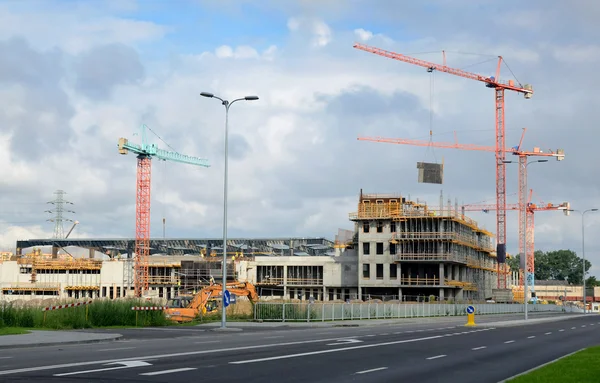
187, 308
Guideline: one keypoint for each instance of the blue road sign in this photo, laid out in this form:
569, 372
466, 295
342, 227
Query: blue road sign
226, 298
470, 309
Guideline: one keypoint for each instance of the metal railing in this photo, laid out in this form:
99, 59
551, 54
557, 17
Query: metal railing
310, 312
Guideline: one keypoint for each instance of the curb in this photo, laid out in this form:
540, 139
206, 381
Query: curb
42, 344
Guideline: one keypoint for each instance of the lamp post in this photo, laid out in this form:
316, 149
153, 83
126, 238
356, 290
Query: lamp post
583, 249
524, 223
227, 105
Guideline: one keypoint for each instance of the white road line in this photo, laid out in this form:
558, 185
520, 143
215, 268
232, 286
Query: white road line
548, 333
591, 324
478, 348
159, 356
573, 328
371, 370
509, 341
562, 329
168, 371
117, 349
273, 337
370, 335
333, 350
399, 332
166, 329
5, 357
531, 337
384, 334
323, 333
582, 325
436, 357
410, 331
208, 341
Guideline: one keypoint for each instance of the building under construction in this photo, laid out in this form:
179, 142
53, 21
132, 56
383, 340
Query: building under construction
399, 249
410, 251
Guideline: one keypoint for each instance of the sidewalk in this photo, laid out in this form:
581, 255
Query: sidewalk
52, 338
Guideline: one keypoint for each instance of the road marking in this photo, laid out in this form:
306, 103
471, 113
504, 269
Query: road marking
345, 341
273, 337
199, 352
117, 349
168, 371
410, 331
208, 341
129, 364
573, 328
478, 348
531, 337
371, 370
548, 333
5, 357
334, 350
436, 357
323, 333
509, 341
399, 332
591, 324
369, 335
582, 325
562, 329
384, 334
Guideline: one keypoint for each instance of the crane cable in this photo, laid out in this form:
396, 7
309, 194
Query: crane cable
431, 93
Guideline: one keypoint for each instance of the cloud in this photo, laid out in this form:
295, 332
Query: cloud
319, 31
296, 167
103, 67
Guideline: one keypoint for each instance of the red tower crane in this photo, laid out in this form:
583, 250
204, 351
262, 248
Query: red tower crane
145, 152
499, 87
529, 230
559, 155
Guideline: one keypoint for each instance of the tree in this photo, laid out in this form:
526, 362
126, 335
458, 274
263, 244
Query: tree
592, 282
558, 265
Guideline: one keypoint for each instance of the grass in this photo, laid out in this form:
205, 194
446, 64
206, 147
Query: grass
99, 314
13, 331
580, 367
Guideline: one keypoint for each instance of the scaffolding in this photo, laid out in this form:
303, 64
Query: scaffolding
424, 236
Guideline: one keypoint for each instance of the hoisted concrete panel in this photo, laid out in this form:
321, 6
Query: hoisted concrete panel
430, 173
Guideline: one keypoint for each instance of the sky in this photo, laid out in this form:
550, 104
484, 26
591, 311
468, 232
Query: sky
76, 75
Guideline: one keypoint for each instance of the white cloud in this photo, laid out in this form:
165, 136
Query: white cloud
363, 34
319, 31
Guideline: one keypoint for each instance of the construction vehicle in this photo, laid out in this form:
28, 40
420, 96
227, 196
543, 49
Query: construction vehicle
186, 308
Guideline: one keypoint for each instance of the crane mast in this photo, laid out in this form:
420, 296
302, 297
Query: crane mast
490, 82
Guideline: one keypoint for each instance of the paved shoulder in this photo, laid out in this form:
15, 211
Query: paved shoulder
50, 338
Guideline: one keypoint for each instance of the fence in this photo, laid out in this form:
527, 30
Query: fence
308, 312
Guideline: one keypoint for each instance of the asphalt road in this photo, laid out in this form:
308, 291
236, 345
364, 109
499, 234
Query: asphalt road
433, 352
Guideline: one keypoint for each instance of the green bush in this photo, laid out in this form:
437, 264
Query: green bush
100, 313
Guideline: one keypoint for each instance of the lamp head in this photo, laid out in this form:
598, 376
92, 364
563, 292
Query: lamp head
206, 94
251, 98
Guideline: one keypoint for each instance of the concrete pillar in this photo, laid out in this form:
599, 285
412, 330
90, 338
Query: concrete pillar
54, 252
91, 253
441, 293
442, 274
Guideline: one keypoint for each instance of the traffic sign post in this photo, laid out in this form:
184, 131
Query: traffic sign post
226, 298
470, 315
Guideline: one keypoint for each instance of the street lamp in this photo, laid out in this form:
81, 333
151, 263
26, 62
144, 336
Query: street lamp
524, 223
583, 249
227, 105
